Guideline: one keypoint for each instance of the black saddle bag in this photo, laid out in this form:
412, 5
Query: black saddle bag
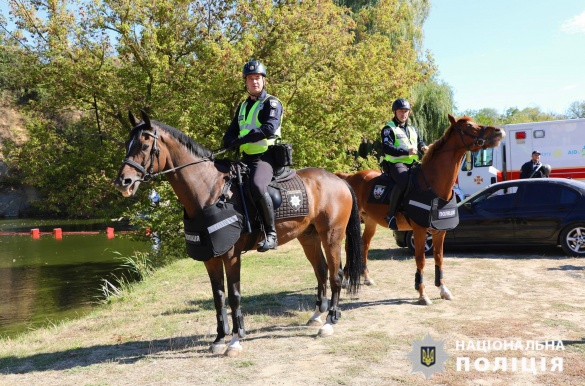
213, 232
282, 154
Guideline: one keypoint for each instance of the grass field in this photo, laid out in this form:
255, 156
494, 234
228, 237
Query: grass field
159, 333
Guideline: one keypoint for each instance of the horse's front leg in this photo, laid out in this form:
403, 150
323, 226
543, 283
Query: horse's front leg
232, 265
438, 240
312, 247
214, 268
420, 235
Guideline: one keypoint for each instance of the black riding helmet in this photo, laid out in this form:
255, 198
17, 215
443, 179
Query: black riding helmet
253, 67
400, 103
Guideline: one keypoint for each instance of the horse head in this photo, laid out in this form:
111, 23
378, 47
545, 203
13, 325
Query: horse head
141, 151
474, 136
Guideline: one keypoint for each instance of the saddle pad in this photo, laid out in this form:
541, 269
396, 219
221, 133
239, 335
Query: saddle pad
294, 199
380, 193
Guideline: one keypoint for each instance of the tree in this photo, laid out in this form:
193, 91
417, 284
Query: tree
181, 61
432, 101
576, 110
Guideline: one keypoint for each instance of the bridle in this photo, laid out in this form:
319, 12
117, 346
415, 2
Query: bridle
149, 174
478, 139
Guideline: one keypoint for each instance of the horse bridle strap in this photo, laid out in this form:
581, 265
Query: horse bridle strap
479, 140
155, 151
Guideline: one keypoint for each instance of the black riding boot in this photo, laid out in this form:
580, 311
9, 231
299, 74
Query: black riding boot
267, 212
395, 196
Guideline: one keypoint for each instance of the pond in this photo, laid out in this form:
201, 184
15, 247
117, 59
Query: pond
48, 279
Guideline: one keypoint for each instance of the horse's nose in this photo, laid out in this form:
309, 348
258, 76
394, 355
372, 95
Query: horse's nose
122, 182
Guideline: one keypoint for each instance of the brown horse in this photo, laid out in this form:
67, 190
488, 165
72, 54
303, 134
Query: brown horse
198, 181
440, 165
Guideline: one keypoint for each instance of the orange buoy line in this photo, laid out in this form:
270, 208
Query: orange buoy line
58, 233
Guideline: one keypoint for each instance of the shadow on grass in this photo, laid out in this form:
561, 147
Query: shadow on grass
282, 304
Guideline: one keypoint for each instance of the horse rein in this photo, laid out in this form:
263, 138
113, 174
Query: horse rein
148, 175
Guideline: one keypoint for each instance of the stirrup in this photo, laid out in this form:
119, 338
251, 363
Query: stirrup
270, 242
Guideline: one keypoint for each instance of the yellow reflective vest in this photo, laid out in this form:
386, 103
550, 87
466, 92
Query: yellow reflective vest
402, 140
251, 122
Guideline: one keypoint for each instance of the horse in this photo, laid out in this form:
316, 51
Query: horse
437, 175
199, 180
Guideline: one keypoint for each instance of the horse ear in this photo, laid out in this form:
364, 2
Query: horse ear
132, 118
451, 119
145, 118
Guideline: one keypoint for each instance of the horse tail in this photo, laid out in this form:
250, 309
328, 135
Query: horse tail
353, 245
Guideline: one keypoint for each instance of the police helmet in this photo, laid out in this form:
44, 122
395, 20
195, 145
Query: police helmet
253, 67
400, 103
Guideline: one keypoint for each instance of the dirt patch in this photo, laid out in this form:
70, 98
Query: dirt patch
161, 334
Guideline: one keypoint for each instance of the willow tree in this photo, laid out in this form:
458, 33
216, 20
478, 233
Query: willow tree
432, 102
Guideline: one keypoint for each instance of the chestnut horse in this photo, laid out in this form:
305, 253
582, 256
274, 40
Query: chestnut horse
440, 165
198, 181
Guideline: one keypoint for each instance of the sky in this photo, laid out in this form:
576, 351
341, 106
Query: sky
509, 53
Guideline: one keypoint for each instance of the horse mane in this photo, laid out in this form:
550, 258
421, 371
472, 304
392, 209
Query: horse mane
435, 146
184, 139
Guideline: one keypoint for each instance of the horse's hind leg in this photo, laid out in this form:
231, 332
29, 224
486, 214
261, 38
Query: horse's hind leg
214, 268
312, 246
369, 232
438, 239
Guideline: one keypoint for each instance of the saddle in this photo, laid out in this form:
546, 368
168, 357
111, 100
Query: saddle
422, 206
219, 226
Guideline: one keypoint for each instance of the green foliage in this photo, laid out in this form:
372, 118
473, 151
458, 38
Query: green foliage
336, 73
489, 116
432, 101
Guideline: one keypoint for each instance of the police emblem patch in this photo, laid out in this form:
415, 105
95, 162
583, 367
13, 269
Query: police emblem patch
273, 103
428, 356
378, 191
295, 199
386, 132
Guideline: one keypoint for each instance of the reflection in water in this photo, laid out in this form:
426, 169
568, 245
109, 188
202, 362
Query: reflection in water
47, 280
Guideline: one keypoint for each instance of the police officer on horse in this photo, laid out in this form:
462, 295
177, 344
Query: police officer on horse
254, 128
401, 144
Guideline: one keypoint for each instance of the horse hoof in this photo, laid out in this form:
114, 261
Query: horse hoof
447, 296
326, 330
217, 348
314, 323
233, 352
369, 281
425, 301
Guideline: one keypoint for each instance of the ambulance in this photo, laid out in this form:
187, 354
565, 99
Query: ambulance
561, 145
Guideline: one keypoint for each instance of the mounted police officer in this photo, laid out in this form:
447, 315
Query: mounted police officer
401, 144
254, 128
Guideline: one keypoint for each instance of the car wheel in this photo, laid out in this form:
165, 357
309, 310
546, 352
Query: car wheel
573, 240
428, 242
